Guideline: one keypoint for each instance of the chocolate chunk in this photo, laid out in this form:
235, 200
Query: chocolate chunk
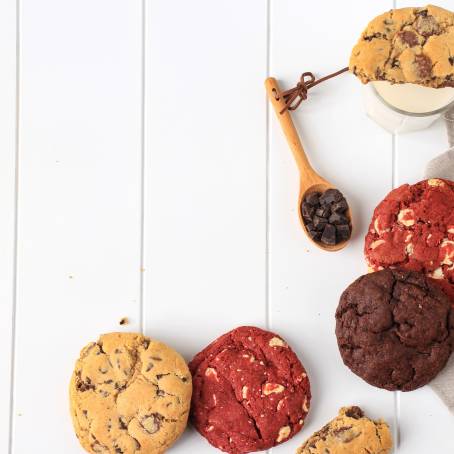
315, 235
374, 36
354, 412
307, 211
323, 212
313, 198
337, 219
331, 196
395, 63
329, 235
423, 66
408, 37
422, 13
317, 210
339, 207
427, 26
343, 232
152, 423
319, 223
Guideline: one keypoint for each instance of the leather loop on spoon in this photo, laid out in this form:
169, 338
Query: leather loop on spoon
296, 95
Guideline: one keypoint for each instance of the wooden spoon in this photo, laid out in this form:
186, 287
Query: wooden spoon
310, 180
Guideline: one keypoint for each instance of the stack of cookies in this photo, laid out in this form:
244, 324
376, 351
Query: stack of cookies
395, 327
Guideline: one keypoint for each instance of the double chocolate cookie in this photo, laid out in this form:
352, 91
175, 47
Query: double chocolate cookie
413, 228
414, 45
250, 391
351, 432
129, 394
395, 329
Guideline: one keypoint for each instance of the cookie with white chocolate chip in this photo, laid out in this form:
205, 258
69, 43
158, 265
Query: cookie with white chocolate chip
129, 394
251, 392
413, 229
407, 45
351, 432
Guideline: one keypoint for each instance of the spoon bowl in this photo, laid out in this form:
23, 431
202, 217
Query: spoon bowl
310, 180
320, 187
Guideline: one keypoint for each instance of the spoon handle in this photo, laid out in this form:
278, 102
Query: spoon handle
274, 94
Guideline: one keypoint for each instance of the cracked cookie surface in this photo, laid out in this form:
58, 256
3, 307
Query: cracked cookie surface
251, 392
351, 432
129, 394
395, 329
407, 45
413, 228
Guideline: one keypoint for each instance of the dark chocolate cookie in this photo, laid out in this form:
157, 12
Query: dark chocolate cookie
251, 392
395, 329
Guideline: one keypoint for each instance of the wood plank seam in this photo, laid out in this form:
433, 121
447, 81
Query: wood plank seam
268, 170
142, 175
15, 236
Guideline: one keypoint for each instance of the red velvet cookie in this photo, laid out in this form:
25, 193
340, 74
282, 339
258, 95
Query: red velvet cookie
250, 391
413, 229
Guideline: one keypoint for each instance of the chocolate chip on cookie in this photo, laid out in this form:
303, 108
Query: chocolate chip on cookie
129, 394
350, 432
395, 329
426, 25
423, 66
408, 37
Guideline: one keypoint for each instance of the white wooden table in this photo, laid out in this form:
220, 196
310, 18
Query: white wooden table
143, 175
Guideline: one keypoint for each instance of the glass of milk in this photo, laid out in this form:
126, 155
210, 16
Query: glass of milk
405, 107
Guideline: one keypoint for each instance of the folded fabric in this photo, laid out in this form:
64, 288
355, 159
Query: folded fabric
449, 120
443, 167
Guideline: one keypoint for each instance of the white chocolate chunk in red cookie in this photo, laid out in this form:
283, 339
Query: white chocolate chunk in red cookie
406, 217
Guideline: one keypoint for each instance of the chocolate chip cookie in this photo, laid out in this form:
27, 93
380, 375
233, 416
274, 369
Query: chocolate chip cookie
413, 228
414, 45
251, 392
350, 433
395, 329
129, 394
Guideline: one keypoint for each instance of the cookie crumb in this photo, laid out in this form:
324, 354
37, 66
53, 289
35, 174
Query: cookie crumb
124, 321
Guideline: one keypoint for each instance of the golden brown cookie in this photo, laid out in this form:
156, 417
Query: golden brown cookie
129, 394
414, 45
350, 433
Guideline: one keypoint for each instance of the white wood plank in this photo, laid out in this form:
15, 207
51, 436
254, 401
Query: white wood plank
205, 173
7, 202
352, 152
79, 200
425, 423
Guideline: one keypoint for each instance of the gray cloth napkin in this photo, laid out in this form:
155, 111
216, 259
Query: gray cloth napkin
443, 167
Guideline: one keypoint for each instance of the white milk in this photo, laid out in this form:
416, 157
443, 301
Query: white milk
405, 107
414, 98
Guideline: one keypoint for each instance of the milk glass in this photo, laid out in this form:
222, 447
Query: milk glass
405, 107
